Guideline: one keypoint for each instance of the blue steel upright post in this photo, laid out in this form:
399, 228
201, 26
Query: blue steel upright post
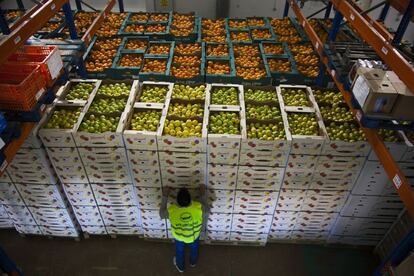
328, 10
4, 26
286, 10
69, 20
404, 23
121, 5
78, 5
384, 12
20, 4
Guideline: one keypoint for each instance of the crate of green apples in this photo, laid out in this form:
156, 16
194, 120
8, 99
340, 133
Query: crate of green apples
106, 115
346, 138
143, 127
184, 127
308, 132
268, 140
226, 95
154, 92
77, 91
395, 141
59, 124
296, 98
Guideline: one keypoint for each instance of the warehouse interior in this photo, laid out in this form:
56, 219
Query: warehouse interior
226, 137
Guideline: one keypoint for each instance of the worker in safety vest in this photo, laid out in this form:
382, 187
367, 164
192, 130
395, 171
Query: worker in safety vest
187, 221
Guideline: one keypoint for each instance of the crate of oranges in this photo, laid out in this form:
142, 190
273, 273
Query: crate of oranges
282, 69
138, 17
188, 63
184, 27
262, 34
127, 65
132, 28
240, 36
219, 70
157, 31
133, 44
257, 22
306, 60
159, 17
160, 49
218, 50
100, 56
189, 48
236, 24
155, 69
273, 48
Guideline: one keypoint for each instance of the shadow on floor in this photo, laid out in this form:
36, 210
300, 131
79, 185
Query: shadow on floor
133, 256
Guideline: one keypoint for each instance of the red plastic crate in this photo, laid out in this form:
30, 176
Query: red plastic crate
47, 57
21, 86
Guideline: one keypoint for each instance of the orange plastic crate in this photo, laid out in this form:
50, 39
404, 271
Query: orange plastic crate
44, 56
21, 86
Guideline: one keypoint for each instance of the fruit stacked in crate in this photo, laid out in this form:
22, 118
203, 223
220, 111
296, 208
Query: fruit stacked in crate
213, 31
308, 134
33, 196
182, 144
263, 157
102, 151
57, 132
373, 204
226, 128
188, 63
142, 130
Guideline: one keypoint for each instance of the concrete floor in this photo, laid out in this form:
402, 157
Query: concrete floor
133, 256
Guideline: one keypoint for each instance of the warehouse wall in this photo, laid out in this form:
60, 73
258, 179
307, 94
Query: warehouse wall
238, 8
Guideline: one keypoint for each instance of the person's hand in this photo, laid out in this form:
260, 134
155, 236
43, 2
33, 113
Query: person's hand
202, 188
165, 191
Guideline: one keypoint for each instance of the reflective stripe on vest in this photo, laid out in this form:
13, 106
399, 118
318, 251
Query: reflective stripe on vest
186, 222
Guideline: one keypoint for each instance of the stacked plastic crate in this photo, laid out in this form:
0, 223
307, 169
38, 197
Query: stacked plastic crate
36, 203
8, 196
223, 151
102, 151
373, 204
263, 157
58, 138
140, 135
182, 144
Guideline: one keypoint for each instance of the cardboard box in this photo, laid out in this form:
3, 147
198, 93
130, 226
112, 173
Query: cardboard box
397, 149
342, 148
142, 158
28, 229
143, 140
59, 137
248, 237
275, 234
355, 240
266, 158
297, 179
310, 235
79, 194
114, 194
405, 100
300, 161
290, 200
124, 230
376, 97
218, 235
155, 233
65, 89
149, 198
94, 229
212, 87
41, 195
372, 206
219, 172
52, 216
9, 195
96, 155
227, 157
120, 215
59, 231
88, 215
181, 159
354, 226
337, 163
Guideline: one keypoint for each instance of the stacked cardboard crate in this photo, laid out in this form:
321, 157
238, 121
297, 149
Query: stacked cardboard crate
263, 155
222, 157
373, 204
304, 210
142, 151
182, 150
32, 194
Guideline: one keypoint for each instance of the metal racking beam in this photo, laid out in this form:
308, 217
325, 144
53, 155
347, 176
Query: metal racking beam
18, 36
87, 37
394, 173
378, 42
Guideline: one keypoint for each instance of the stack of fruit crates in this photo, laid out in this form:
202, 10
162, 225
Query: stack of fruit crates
157, 61
263, 158
184, 27
373, 204
226, 128
130, 56
33, 196
142, 130
182, 145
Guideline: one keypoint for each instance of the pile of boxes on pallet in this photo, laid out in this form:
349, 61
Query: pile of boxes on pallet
373, 204
93, 167
296, 185
32, 195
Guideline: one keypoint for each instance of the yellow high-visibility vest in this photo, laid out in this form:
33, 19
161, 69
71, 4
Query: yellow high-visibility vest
186, 222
